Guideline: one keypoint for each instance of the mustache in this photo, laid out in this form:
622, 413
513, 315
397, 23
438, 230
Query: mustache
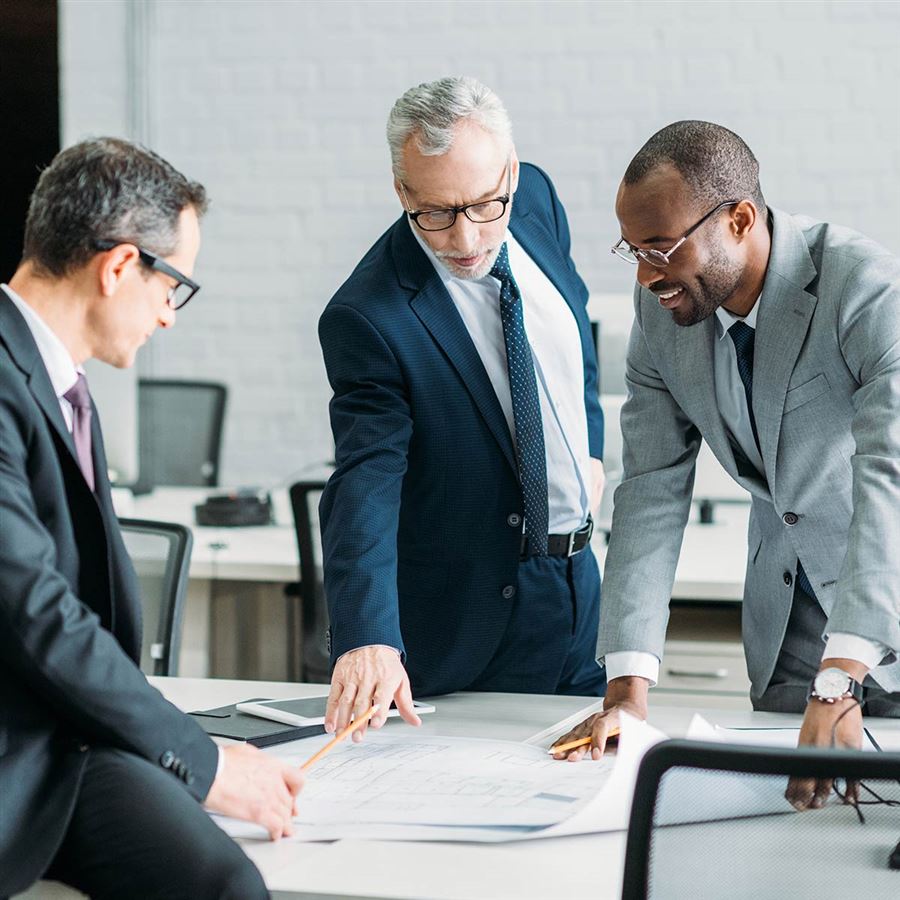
456, 254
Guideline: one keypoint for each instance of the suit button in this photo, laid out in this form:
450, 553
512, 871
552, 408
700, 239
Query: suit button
788, 579
790, 518
167, 759
508, 592
83, 748
514, 520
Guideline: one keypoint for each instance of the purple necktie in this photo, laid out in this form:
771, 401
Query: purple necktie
80, 399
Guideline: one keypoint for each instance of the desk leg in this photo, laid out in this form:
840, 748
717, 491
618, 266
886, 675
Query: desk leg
247, 627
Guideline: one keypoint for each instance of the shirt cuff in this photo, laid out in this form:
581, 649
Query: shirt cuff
632, 662
387, 646
220, 765
851, 646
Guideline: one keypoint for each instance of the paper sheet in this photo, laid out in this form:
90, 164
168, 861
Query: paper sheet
462, 789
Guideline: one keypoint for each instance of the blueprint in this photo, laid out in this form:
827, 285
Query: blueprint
398, 779
395, 786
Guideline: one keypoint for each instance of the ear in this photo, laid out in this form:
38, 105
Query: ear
114, 265
514, 166
743, 218
401, 194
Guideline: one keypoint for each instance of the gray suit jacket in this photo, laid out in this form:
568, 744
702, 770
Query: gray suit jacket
826, 398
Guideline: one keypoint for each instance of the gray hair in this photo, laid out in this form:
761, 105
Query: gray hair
105, 189
715, 162
430, 112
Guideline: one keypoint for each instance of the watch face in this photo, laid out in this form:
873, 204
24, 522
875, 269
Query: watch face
832, 683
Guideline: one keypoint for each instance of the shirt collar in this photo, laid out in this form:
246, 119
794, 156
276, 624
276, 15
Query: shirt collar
56, 358
725, 319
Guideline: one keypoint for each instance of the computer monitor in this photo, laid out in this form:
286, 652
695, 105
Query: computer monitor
115, 395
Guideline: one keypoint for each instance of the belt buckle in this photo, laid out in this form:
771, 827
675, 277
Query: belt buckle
588, 529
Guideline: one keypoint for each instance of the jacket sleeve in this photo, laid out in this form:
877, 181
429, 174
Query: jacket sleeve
360, 507
589, 351
56, 648
867, 595
652, 505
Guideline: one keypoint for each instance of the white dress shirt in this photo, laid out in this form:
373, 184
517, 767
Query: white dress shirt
559, 367
63, 374
732, 402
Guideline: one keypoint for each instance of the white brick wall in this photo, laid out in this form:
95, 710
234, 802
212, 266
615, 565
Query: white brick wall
279, 108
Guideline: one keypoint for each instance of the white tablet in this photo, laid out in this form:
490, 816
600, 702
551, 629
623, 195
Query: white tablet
305, 710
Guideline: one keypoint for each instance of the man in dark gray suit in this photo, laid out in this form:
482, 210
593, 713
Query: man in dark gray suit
101, 778
776, 338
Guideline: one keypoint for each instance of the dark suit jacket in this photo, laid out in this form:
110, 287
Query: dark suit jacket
70, 625
420, 551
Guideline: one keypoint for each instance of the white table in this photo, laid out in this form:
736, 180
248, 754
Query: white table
573, 867
711, 567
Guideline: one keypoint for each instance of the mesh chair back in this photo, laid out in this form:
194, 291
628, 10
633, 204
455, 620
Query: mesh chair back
711, 821
310, 625
161, 553
180, 425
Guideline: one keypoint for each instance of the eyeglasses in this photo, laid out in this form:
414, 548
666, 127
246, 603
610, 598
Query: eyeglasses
180, 292
481, 212
659, 258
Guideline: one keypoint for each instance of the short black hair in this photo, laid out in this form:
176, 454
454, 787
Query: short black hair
105, 189
716, 163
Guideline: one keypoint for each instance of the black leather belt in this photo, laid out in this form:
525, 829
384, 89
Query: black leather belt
564, 544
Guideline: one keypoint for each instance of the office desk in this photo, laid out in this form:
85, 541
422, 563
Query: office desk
236, 615
587, 866
711, 567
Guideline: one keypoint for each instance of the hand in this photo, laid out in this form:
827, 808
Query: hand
629, 694
598, 482
365, 676
257, 788
821, 728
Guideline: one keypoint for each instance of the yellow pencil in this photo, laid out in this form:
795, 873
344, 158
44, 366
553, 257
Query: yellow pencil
356, 723
562, 748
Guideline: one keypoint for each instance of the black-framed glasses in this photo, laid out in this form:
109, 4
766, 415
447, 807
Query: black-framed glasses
180, 292
660, 258
481, 212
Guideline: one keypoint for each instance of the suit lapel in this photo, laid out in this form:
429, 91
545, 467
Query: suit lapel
543, 248
695, 368
437, 312
16, 335
785, 313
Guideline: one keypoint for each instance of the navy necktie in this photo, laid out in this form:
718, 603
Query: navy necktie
80, 399
526, 405
743, 337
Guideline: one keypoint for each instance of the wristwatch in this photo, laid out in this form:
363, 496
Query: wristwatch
834, 684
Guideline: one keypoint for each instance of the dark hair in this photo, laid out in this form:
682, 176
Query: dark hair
715, 162
105, 189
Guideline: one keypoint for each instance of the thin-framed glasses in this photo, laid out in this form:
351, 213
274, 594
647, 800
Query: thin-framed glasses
481, 212
660, 258
180, 292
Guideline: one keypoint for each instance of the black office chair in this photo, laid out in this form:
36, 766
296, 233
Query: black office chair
308, 618
161, 553
180, 425
711, 821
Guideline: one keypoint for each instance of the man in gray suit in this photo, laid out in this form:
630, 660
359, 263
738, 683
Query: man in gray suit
775, 338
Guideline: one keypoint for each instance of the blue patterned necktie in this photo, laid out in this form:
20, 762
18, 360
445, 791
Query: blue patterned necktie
526, 405
743, 337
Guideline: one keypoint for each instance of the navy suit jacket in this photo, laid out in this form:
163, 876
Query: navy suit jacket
70, 625
419, 548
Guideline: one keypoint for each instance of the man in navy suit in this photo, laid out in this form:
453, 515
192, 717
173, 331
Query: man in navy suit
101, 778
468, 432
